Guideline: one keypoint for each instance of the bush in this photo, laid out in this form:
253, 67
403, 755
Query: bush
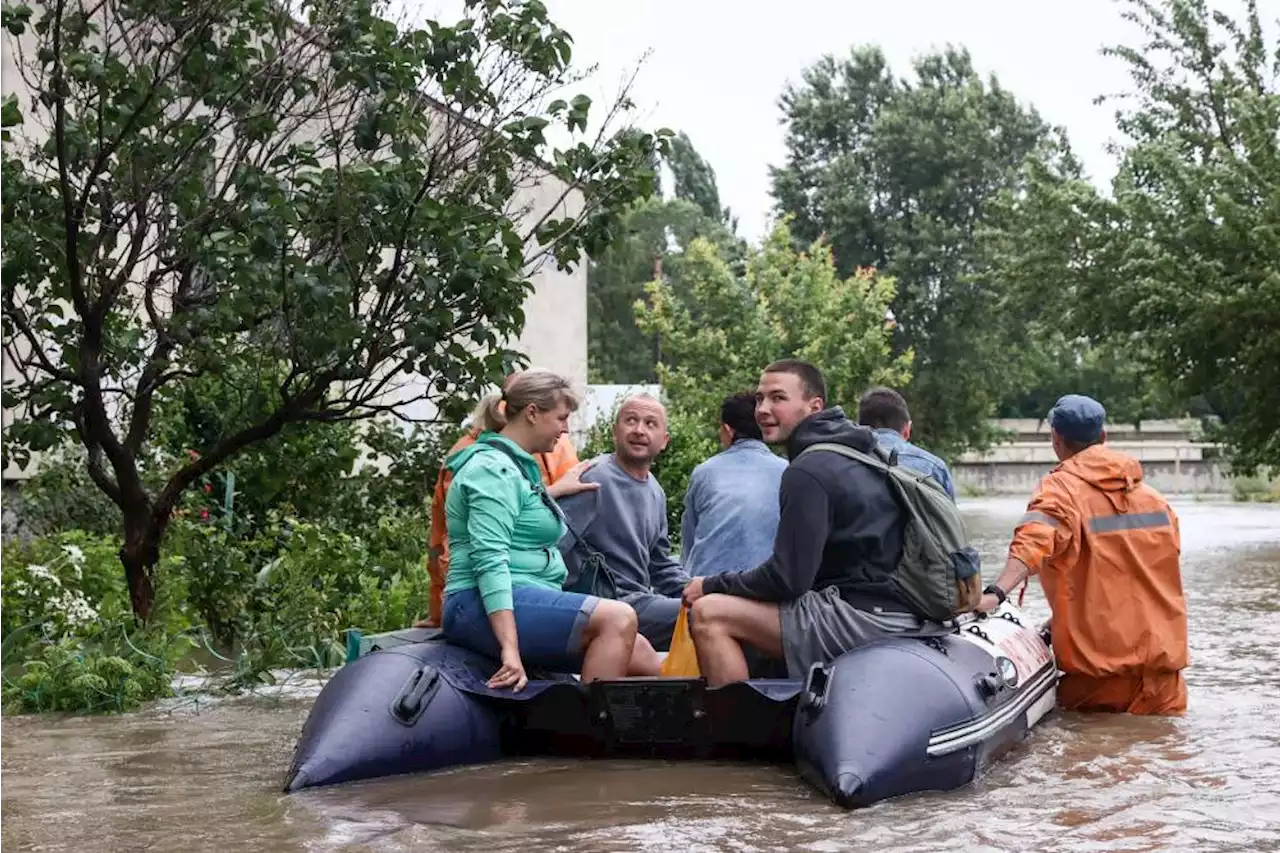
58, 585
325, 581
61, 497
106, 671
1259, 489
70, 640
267, 564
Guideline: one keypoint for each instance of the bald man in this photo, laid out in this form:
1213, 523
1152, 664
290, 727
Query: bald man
626, 520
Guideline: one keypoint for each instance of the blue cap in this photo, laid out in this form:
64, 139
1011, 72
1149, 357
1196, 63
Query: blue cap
1078, 418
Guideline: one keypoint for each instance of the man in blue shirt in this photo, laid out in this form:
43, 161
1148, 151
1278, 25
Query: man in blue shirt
884, 410
731, 505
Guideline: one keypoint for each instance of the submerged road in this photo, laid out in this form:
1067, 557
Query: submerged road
188, 777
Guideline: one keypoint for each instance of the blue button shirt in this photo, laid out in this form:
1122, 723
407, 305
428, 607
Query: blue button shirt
917, 459
731, 510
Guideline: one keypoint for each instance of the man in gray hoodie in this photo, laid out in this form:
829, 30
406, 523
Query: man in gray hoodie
625, 520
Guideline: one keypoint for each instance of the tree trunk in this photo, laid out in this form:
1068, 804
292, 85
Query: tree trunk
140, 553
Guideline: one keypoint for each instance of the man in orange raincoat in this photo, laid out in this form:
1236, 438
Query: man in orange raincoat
553, 466
1106, 547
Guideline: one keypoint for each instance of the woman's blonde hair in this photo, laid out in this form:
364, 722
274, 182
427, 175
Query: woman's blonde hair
536, 386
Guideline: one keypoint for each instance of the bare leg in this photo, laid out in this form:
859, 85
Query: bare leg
608, 641
644, 660
721, 623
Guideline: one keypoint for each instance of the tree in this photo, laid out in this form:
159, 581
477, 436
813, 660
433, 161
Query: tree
716, 339
324, 212
653, 234
1180, 265
1022, 233
695, 180
898, 176
1054, 365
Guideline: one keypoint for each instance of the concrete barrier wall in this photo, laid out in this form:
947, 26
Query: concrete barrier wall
1009, 478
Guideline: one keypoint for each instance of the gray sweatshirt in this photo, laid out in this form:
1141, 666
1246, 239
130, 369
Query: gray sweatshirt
626, 521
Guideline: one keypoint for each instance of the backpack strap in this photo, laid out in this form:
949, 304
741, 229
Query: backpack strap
578, 542
877, 459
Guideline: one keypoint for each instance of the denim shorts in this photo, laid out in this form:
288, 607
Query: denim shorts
549, 625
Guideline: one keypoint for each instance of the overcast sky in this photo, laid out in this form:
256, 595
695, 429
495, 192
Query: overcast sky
716, 68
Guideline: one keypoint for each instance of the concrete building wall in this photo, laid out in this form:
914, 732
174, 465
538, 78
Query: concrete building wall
555, 314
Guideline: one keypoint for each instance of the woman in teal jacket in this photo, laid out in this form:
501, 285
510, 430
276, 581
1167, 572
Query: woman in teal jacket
504, 597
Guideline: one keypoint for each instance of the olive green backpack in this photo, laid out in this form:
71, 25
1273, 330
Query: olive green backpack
939, 573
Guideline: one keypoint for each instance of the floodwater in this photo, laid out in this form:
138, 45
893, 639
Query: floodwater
205, 776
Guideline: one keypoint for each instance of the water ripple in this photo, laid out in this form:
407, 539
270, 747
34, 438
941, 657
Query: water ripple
205, 776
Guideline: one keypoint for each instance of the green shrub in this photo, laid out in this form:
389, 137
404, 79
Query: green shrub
61, 584
70, 640
325, 581
1258, 489
61, 497
265, 564
217, 570
109, 669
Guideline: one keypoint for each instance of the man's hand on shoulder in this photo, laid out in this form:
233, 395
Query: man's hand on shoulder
692, 592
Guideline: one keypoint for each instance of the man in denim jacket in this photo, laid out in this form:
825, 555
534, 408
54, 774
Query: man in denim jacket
884, 410
731, 506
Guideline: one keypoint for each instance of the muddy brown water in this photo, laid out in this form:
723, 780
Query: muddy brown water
195, 776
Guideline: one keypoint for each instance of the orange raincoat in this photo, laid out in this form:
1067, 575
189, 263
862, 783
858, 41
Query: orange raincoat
553, 466
1106, 547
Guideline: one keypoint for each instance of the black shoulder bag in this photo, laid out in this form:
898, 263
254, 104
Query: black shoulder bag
595, 578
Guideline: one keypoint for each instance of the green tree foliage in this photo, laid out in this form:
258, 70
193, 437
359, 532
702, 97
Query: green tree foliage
323, 211
717, 338
654, 232
1053, 366
1181, 263
619, 352
898, 175
1053, 357
695, 180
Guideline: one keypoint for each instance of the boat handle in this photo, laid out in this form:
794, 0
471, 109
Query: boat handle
415, 695
978, 632
814, 698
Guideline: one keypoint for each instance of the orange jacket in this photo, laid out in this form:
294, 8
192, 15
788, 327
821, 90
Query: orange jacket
1106, 546
553, 465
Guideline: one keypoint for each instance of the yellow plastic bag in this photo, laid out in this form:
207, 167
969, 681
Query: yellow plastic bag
682, 660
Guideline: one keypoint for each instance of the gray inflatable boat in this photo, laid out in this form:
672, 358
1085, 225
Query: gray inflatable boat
903, 715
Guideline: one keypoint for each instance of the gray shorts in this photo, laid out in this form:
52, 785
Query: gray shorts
657, 615
820, 626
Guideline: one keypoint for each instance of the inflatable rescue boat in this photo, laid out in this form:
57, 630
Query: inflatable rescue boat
925, 712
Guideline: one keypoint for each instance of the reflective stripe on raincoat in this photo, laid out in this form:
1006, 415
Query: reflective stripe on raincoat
1106, 547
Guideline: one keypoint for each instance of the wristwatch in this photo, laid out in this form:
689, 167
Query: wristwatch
994, 589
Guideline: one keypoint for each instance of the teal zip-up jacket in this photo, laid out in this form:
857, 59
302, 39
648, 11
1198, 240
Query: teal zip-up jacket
501, 534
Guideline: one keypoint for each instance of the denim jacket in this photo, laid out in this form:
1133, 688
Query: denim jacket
917, 459
731, 510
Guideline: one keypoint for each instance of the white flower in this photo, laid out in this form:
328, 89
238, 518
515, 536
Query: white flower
80, 612
42, 572
76, 555
75, 609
